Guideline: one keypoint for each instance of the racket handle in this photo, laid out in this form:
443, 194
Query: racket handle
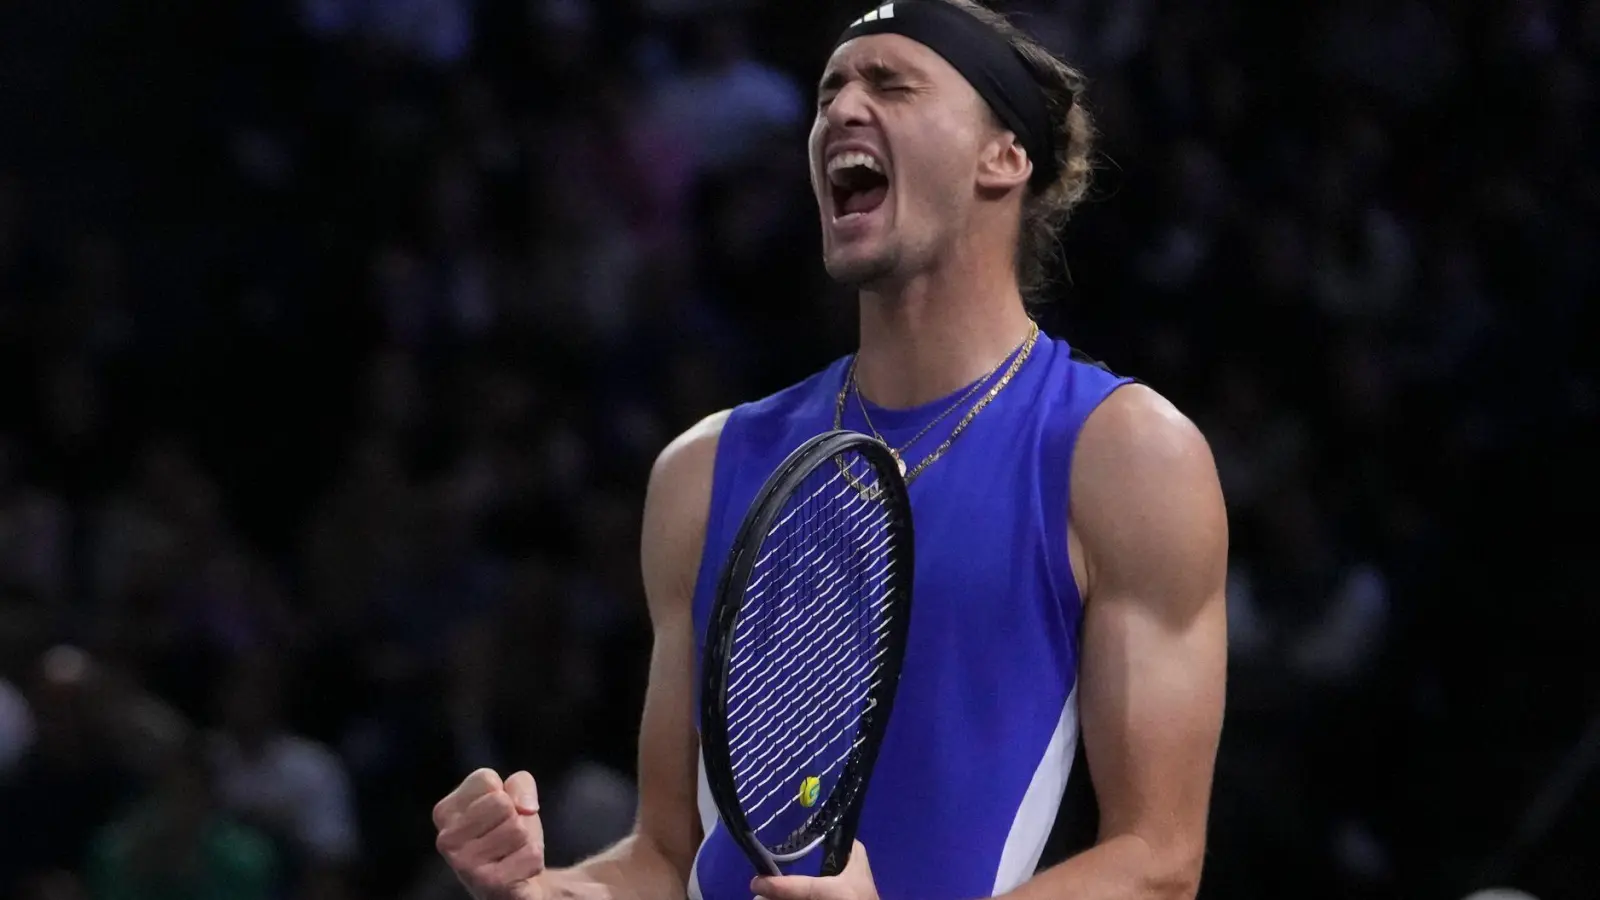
834, 861
837, 845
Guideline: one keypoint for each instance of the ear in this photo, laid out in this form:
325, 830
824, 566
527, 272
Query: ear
1004, 164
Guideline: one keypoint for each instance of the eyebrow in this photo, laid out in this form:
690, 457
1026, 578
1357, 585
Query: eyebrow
876, 72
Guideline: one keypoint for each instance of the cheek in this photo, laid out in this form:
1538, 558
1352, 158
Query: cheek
933, 180
941, 164
814, 150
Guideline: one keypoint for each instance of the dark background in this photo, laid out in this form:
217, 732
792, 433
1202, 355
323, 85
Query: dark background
337, 337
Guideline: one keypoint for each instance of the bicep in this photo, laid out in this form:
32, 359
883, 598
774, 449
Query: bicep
1148, 512
1151, 702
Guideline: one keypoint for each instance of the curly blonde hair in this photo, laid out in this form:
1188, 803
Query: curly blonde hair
1045, 211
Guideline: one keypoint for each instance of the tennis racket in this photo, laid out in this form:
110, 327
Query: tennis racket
804, 648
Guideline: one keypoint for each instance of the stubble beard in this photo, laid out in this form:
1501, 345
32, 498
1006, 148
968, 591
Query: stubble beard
863, 272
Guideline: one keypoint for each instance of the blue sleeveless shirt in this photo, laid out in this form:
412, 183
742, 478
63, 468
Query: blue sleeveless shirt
984, 729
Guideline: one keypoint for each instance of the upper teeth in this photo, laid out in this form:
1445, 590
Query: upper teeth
851, 158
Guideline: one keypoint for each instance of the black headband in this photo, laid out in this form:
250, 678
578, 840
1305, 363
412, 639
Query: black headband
983, 57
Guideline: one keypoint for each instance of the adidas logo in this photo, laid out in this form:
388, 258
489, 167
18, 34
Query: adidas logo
885, 11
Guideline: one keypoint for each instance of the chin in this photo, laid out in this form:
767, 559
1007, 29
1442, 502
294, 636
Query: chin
859, 269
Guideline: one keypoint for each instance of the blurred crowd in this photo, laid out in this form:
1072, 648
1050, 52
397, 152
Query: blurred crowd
337, 338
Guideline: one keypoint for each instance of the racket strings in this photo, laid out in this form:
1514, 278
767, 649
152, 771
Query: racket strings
801, 507
775, 781
809, 707
838, 618
770, 727
811, 555
827, 770
801, 686
809, 644
755, 613
768, 623
756, 588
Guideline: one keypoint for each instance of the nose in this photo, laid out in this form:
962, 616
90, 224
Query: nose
850, 107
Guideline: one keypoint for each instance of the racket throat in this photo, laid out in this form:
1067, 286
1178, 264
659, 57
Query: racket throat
775, 858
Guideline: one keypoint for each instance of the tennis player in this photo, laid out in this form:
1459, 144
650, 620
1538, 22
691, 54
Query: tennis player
1071, 540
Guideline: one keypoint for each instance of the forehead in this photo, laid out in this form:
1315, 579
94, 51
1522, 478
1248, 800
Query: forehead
895, 52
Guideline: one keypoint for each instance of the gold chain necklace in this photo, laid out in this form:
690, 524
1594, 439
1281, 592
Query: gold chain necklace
1021, 356
861, 403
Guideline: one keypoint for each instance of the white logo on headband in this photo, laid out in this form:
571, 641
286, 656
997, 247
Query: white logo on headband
885, 11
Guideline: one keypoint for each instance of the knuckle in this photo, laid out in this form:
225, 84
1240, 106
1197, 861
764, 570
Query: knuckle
503, 806
474, 880
526, 862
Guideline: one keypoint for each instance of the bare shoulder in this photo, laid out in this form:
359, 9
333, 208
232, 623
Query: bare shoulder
1147, 506
676, 509
1137, 433
689, 454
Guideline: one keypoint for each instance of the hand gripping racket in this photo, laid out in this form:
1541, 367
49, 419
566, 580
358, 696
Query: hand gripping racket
803, 650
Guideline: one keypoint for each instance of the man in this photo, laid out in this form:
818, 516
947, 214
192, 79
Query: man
1071, 536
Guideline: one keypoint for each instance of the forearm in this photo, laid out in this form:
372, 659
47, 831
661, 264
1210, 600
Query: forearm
633, 869
1120, 868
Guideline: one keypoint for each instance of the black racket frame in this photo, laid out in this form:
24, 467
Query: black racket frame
840, 814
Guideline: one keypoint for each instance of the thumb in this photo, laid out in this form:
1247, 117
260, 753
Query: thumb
524, 793
858, 864
788, 887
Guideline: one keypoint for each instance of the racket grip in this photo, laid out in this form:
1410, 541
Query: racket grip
837, 857
836, 846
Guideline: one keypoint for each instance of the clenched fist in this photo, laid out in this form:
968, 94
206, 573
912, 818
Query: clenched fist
489, 833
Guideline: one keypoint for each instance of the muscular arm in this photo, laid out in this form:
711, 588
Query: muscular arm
653, 863
1150, 546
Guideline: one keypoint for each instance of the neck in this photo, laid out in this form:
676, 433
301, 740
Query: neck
937, 332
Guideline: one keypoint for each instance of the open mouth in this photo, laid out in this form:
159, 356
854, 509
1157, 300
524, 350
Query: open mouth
858, 183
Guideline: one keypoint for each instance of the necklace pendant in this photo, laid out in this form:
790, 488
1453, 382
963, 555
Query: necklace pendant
899, 462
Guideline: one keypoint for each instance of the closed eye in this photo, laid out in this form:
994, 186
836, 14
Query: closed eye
882, 77
882, 89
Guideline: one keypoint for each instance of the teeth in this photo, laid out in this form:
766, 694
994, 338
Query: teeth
852, 158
